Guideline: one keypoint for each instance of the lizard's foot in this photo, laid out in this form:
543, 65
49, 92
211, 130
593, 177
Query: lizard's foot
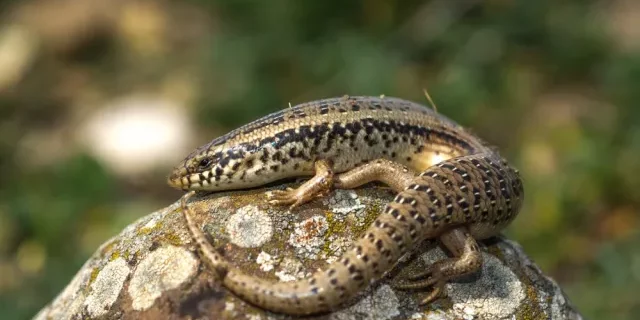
285, 197
434, 278
467, 260
318, 186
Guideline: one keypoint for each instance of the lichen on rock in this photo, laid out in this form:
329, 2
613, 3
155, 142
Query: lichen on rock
383, 304
106, 287
249, 227
308, 237
163, 269
491, 295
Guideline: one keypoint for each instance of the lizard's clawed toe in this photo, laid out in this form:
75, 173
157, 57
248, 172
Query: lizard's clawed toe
438, 290
421, 275
434, 281
436, 293
288, 196
416, 285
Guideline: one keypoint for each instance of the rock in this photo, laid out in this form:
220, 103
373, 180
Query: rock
153, 271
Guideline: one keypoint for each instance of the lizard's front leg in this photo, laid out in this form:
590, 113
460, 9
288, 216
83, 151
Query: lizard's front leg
319, 185
397, 176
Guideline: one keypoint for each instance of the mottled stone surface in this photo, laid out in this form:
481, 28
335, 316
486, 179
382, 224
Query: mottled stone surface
151, 270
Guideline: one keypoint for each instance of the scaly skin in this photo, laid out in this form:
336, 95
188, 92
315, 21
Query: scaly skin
465, 192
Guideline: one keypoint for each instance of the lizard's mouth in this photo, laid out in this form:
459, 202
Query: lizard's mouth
177, 180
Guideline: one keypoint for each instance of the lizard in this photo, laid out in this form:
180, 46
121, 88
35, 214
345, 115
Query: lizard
450, 186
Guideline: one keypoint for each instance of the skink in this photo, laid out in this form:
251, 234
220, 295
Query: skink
451, 186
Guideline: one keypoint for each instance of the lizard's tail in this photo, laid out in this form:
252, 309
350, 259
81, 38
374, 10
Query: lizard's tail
327, 289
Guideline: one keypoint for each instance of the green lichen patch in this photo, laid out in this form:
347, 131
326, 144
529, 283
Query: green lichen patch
171, 238
531, 309
94, 275
371, 213
109, 247
146, 230
114, 255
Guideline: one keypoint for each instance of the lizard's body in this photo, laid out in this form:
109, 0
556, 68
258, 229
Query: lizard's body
466, 191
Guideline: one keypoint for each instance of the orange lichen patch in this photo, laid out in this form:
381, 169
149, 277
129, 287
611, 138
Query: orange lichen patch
308, 236
312, 228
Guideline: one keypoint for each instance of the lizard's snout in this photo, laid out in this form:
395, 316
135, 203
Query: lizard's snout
175, 178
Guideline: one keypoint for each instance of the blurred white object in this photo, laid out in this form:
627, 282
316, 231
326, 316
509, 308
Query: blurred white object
17, 50
138, 134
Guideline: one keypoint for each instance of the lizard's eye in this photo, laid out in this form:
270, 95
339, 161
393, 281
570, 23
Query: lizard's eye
205, 163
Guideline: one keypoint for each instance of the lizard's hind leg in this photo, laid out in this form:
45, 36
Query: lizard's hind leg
393, 174
467, 259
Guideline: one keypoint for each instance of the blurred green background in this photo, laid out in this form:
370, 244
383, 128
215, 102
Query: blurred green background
98, 99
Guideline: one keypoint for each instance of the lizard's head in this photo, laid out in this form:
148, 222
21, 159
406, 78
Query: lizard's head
214, 169
196, 172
